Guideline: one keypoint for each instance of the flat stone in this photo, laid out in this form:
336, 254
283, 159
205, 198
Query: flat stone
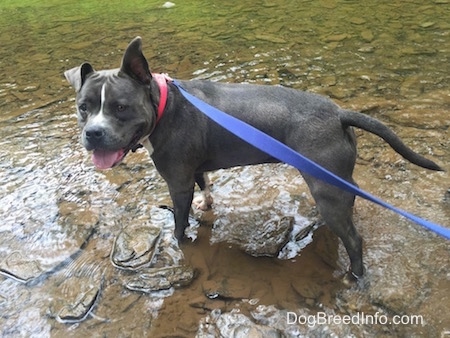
135, 246
270, 38
155, 279
427, 24
357, 21
78, 311
20, 268
306, 288
336, 38
328, 80
255, 238
367, 35
168, 4
232, 324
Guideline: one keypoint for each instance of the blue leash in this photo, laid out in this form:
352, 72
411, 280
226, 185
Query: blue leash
278, 150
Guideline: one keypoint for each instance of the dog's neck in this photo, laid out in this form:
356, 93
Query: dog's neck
161, 80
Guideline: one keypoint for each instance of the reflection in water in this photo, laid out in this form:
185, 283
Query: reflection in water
60, 217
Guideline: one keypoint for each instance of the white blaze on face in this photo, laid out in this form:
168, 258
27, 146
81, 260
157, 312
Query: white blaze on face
100, 119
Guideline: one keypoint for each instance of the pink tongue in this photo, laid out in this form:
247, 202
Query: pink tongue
104, 159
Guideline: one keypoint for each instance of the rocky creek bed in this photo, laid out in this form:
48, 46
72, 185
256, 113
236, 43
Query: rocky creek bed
86, 253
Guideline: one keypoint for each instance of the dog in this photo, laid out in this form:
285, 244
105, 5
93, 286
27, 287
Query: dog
122, 109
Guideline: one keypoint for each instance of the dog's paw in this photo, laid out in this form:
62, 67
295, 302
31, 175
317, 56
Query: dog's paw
203, 202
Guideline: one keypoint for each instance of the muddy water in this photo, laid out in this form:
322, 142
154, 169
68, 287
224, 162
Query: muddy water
61, 217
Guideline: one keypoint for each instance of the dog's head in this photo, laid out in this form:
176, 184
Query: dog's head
116, 108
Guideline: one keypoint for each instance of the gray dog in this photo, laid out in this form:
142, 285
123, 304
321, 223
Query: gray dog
120, 109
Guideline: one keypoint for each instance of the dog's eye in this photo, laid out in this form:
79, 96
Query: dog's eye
83, 111
120, 108
82, 108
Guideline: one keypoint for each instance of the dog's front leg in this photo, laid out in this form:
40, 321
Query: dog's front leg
182, 201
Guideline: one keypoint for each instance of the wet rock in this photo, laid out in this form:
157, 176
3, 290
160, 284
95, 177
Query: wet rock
30, 88
254, 238
399, 293
338, 92
329, 4
81, 308
336, 38
357, 21
427, 24
412, 86
78, 296
447, 196
40, 262
366, 49
367, 35
151, 251
135, 246
270, 38
22, 269
328, 81
307, 288
80, 45
417, 51
419, 118
151, 244
155, 279
235, 325
168, 4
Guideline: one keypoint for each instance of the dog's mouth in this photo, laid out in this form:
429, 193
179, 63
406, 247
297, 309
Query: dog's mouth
106, 159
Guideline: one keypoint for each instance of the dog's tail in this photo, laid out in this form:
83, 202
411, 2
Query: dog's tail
350, 118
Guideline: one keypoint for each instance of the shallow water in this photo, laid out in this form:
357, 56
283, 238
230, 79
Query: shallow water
61, 216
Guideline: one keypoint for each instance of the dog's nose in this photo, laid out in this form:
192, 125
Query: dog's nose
94, 134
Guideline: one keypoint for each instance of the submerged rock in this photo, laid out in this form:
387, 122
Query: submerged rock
153, 253
22, 269
135, 246
235, 325
254, 238
78, 296
81, 308
226, 289
156, 279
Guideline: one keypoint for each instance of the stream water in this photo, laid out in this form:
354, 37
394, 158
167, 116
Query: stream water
62, 272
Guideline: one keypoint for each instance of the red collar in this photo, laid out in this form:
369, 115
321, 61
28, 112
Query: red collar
161, 80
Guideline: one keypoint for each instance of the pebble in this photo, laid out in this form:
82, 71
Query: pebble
427, 24
336, 37
30, 88
328, 81
228, 288
367, 35
270, 38
366, 49
168, 4
357, 21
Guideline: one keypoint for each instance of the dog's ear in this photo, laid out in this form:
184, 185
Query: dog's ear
134, 63
77, 76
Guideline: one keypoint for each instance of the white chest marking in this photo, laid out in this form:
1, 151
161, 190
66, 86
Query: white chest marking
147, 145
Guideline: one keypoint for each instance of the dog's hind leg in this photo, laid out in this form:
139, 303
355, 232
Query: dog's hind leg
205, 200
336, 208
